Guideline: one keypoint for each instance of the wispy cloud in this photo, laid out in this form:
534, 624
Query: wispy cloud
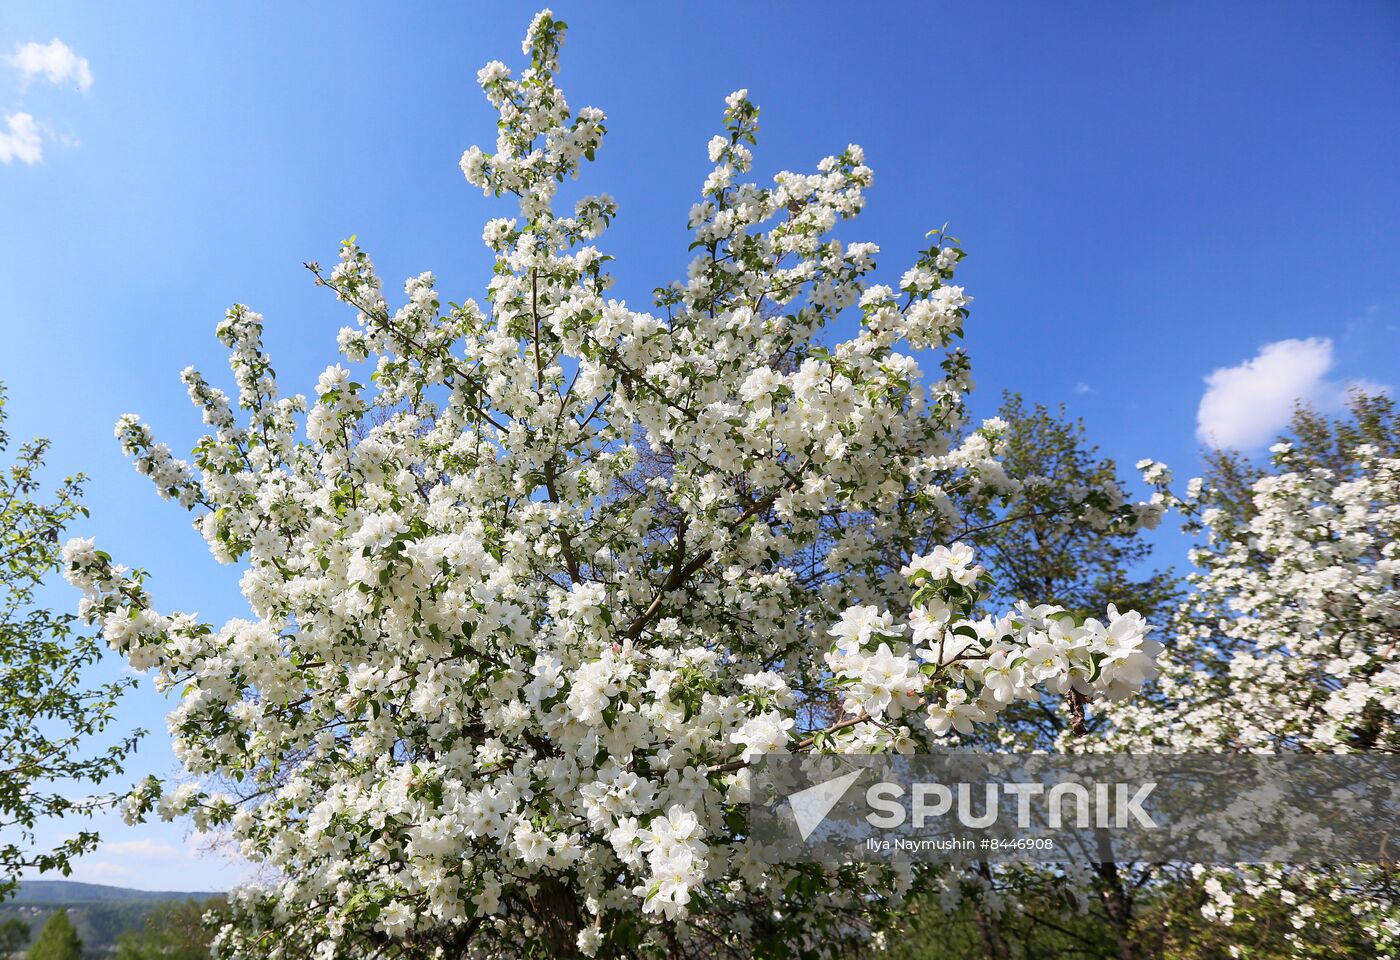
144, 847
1082, 388
148, 863
1245, 406
55, 61
20, 140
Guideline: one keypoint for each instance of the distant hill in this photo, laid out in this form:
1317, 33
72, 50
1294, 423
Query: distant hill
100, 913
64, 892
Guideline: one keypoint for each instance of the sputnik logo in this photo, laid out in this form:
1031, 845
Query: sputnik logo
810, 806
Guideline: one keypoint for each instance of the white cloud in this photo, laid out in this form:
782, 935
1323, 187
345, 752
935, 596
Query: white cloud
21, 141
148, 863
142, 848
1082, 388
55, 60
1245, 407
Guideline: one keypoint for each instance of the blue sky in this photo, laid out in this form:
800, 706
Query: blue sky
1151, 194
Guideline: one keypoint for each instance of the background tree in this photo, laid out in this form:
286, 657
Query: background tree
1066, 560
1011, 910
1287, 641
1316, 441
47, 718
175, 930
1082, 567
14, 934
58, 940
1288, 636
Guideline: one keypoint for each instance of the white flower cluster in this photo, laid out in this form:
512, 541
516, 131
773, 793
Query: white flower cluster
962, 670
523, 612
1295, 592
1288, 642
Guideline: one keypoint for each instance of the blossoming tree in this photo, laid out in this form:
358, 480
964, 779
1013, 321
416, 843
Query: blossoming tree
526, 608
1287, 642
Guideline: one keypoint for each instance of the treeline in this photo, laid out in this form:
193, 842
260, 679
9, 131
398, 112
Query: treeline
110, 930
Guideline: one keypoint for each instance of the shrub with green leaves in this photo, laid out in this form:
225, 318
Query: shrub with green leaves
47, 716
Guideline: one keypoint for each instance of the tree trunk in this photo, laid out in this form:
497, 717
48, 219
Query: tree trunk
555, 907
987, 925
1119, 907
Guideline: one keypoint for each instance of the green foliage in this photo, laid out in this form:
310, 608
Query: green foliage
100, 914
1262, 927
14, 934
1037, 555
174, 931
46, 717
1032, 555
1167, 925
1049, 929
57, 941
